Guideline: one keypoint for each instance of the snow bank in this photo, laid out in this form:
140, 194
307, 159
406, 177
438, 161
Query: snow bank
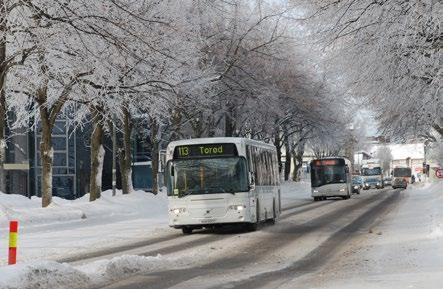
291, 191
29, 211
67, 228
49, 274
138, 204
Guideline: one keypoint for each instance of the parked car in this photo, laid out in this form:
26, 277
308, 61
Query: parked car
387, 181
357, 184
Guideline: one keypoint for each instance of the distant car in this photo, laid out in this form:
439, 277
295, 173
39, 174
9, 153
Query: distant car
399, 183
357, 184
387, 181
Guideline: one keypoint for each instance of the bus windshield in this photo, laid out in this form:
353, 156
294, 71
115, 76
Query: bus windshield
371, 172
208, 176
402, 172
323, 175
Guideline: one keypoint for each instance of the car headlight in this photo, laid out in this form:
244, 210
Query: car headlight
366, 184
355, 187
342, 190
177, 210
315, 191
237, 207
378, 184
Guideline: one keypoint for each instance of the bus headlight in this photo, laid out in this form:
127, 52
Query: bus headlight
178, 210
237, 207
342, 190
315, 191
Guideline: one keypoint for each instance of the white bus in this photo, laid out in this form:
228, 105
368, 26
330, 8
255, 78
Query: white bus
216, 181
331, 177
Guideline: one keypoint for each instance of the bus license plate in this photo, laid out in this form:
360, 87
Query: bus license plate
208, 221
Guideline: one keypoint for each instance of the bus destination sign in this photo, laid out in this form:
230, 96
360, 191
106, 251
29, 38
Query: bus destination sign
205, 150
328, 162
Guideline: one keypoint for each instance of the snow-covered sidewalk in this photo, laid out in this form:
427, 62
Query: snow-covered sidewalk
68, 228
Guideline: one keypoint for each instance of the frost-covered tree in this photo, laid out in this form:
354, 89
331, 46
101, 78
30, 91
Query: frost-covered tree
12, 54
384, 154
389, 54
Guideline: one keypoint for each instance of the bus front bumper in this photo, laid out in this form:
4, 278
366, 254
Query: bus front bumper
187, 218
329, 192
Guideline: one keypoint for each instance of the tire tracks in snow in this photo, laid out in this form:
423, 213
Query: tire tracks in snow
171, 237
322, 253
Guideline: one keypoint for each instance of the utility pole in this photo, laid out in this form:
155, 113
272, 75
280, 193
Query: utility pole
114, 156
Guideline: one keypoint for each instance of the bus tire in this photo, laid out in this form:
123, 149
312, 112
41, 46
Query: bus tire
187, 230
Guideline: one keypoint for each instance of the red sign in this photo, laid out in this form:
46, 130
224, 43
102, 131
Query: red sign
439, 173
326, 162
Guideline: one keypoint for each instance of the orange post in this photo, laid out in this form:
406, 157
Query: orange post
13, 233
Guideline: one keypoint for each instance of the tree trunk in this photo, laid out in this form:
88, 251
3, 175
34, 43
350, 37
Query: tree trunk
298, 160
176, 120
3, 117
155, 144
3, 108
46, 156
288, 159
125, 153
97, 156
229, 126
277, 143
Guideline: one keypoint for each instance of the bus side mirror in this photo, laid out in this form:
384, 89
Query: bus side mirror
251, 181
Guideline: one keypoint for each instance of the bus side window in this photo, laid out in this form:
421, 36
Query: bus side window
255, 165
250, 159
269, 168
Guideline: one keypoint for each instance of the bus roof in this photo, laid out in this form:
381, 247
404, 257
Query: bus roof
217, 140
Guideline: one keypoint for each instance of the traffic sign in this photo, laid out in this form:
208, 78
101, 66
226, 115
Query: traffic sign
439, 173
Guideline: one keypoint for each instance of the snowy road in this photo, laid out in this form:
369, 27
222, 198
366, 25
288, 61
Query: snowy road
306, 238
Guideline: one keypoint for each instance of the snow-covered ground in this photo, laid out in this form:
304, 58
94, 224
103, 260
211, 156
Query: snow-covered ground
405, 250
69, 228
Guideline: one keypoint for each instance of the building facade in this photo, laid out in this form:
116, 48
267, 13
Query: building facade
71, 162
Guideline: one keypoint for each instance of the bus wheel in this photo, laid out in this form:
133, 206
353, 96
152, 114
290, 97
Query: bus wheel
187, 230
